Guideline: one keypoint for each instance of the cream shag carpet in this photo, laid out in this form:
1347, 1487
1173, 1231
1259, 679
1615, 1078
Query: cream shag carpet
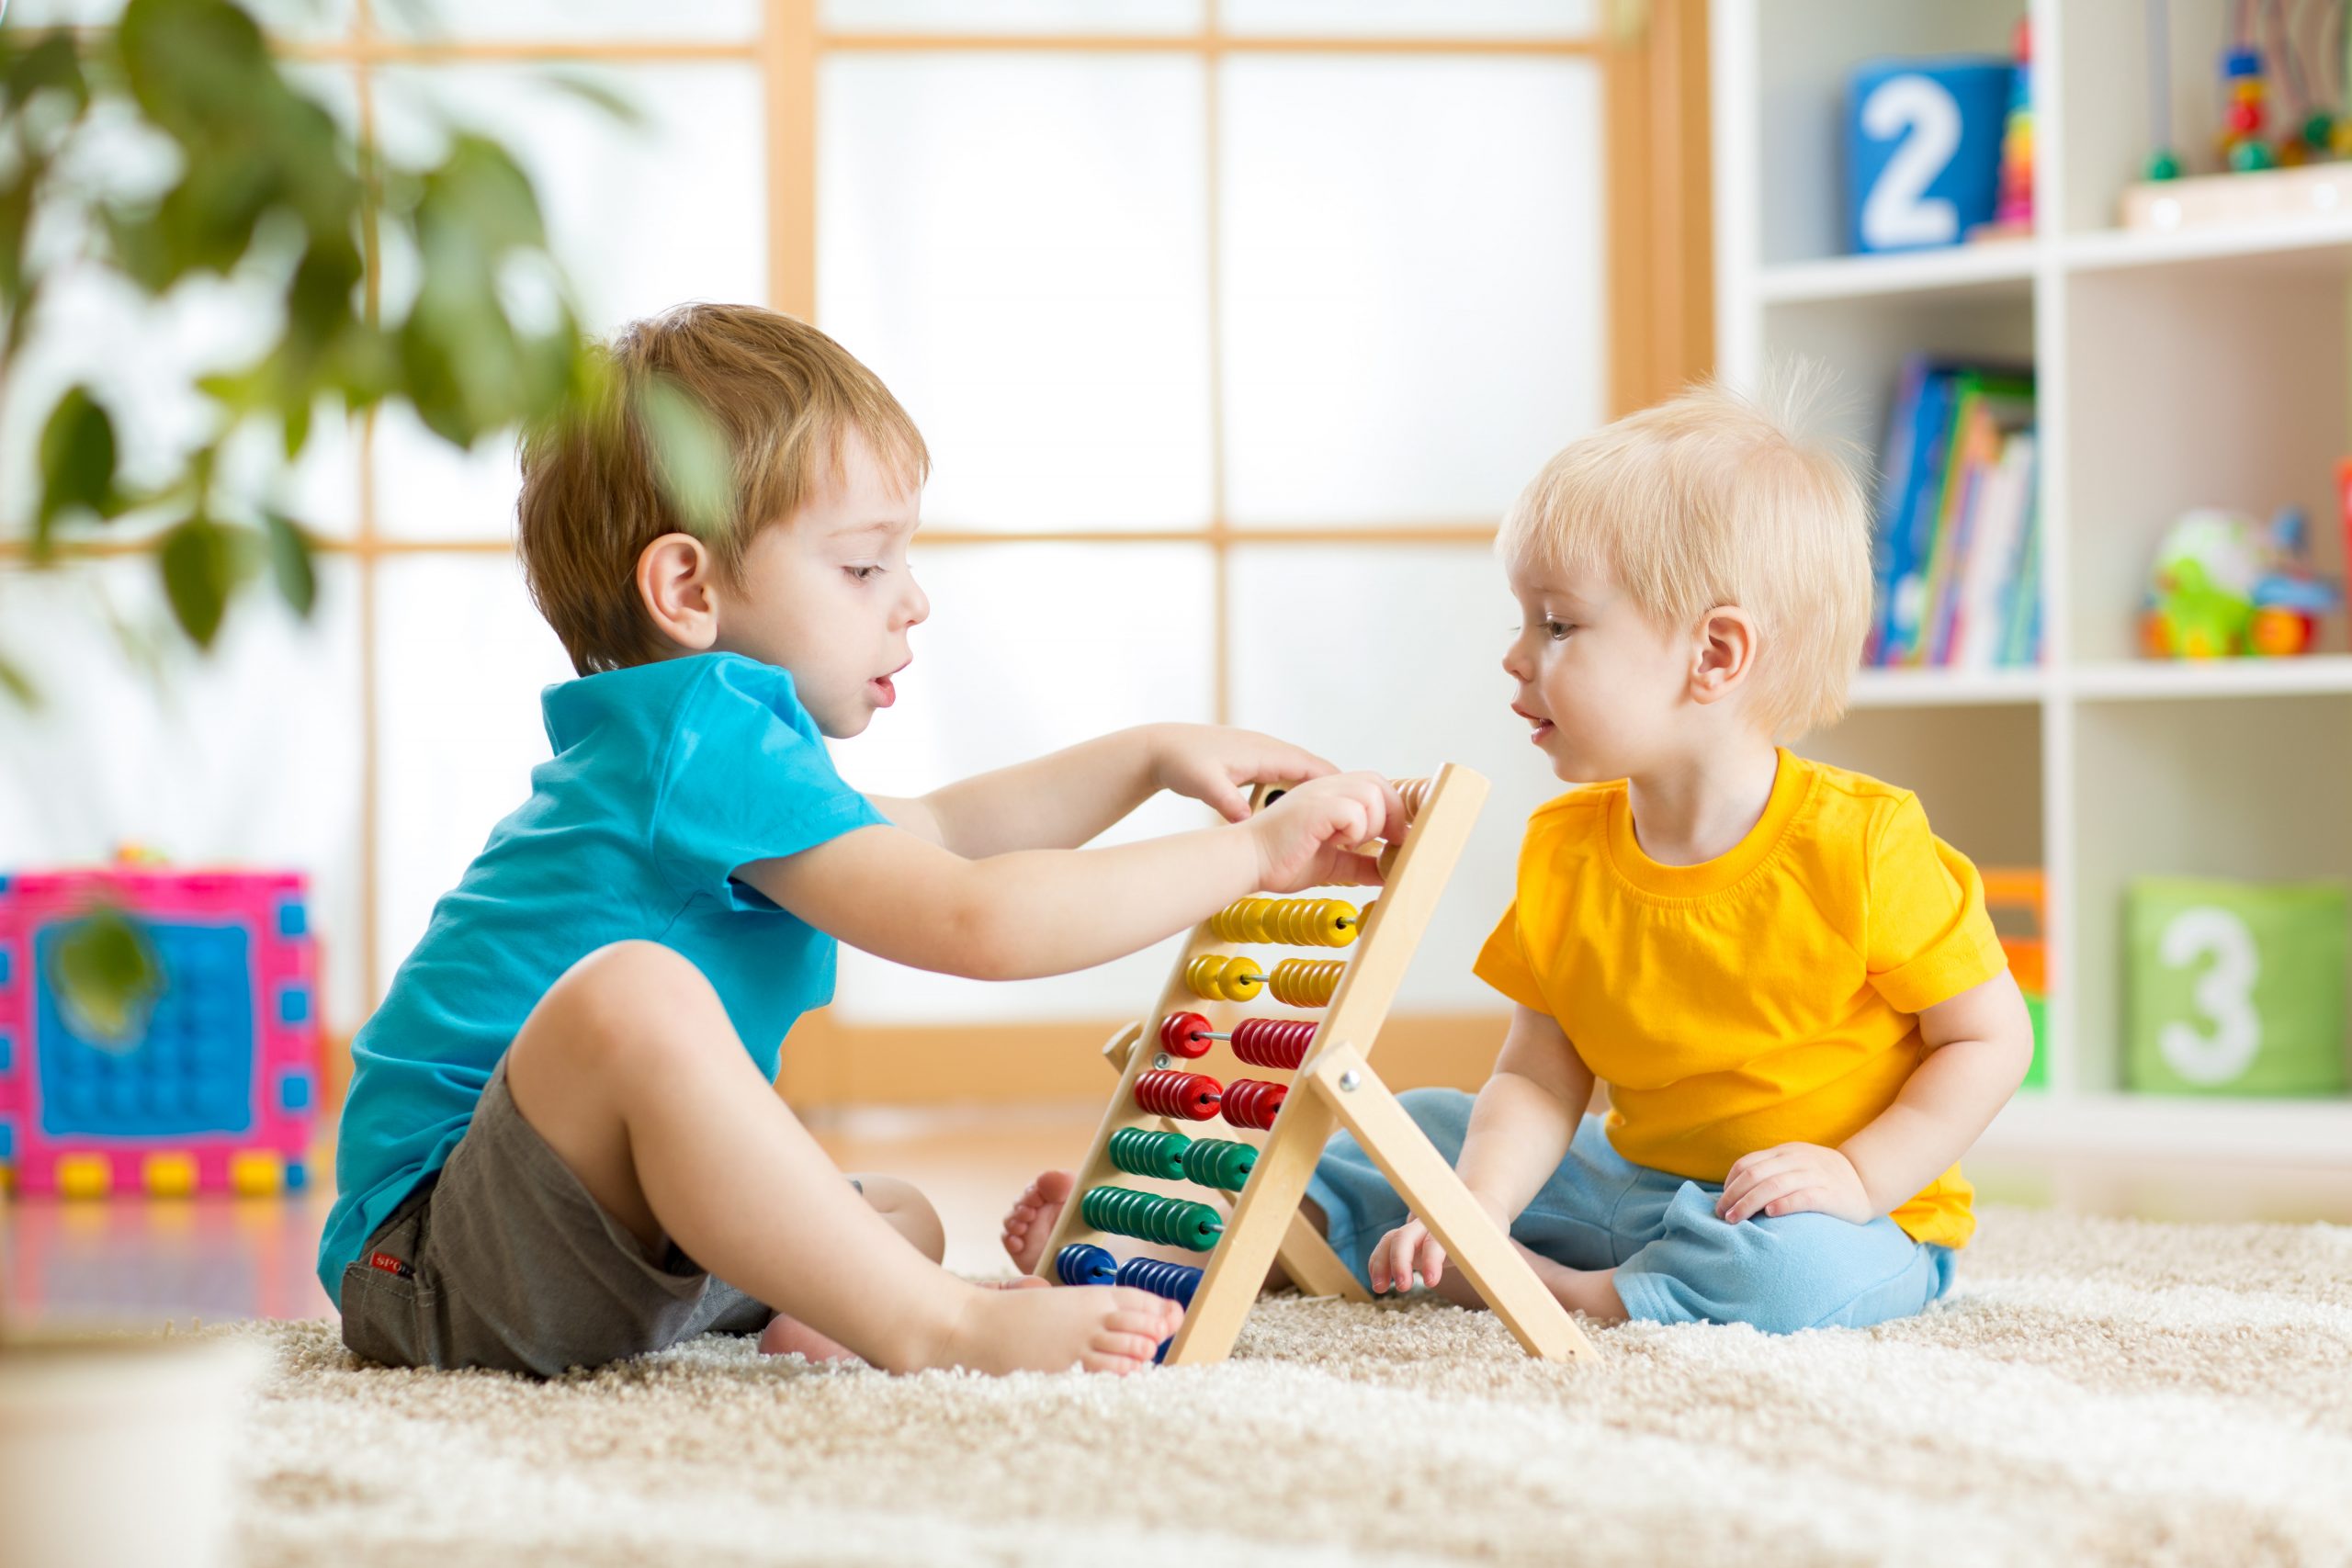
2095, 1391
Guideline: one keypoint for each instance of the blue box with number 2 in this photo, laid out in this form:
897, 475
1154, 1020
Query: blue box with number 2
1923, 150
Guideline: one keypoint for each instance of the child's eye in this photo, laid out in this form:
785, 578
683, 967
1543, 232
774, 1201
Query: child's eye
863, 572
1558, 630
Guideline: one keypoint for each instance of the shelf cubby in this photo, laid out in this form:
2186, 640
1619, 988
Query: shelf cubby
2176, 370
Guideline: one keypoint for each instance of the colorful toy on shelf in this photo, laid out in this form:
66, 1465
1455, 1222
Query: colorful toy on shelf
2224, 586
2282, 90
2023, 892
1273, 1132
2013, 207
2247, 94
1923, 150
2236, 987
216, 1090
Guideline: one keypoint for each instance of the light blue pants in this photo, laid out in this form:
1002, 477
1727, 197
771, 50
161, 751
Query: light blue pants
1676, 1262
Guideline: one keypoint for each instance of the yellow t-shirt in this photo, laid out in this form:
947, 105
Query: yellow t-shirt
1766, 996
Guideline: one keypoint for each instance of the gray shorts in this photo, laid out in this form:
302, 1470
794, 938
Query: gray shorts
504, 1260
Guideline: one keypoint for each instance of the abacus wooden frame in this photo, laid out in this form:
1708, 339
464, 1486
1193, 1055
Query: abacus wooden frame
1334, 1087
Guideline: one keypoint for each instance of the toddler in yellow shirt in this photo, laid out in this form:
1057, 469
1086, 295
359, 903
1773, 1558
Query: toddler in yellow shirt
1788, 983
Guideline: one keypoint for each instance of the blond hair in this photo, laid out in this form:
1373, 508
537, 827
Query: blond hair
779, 394
1715, 498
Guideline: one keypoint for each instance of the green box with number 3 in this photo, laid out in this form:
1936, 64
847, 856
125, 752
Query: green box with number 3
2236, 987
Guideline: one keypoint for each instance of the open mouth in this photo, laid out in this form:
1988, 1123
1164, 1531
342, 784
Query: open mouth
1542, 726
885, 687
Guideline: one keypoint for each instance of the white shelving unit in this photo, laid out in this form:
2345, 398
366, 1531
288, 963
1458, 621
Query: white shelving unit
2200, 368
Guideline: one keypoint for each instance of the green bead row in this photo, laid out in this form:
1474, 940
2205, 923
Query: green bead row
1145, 1153
1170, 1221
1219, 1162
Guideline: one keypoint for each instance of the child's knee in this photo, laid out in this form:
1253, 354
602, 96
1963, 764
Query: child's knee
627, 1002
909, 1212
1780, 1275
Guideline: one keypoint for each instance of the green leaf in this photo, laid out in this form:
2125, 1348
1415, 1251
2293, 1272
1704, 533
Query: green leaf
199, 569
598, 94
19, 686
691, 461
77, 464
106, 971
480, 190
290, 563
53, 65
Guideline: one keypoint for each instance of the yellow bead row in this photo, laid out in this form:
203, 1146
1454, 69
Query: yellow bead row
1214, 978
1292, 923
1305, 982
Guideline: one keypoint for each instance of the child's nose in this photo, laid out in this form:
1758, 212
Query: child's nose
917, 607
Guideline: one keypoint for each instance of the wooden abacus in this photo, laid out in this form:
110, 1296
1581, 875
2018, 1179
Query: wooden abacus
1280, 1127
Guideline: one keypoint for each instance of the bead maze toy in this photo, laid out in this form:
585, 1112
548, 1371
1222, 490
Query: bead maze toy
218, 1088
2267, 169
1279, 1128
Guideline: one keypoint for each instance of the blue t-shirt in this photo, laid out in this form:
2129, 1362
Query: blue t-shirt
666, 777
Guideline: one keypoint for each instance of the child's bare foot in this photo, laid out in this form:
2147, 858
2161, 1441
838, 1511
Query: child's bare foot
1592, 1292
786, 1336
1031, 1220
1097, 1328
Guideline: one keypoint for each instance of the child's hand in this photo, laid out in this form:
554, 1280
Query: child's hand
1409, 1249
1306, 839
1794, 1179
1213, 763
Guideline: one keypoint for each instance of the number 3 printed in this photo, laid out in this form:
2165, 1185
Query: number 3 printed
1893, 215
2225, 993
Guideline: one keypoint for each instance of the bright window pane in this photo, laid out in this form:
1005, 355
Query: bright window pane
1456, 18
1410, 679
569, 19
645, 217
248, 757
1412, 266
1013, 16
461, 658
1017, 244
1031, 647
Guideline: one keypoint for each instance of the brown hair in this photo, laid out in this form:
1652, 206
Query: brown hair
778, 392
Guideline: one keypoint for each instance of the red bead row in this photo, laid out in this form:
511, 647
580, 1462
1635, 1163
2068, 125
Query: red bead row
1273, 1042
1254, 1102
1191, 1096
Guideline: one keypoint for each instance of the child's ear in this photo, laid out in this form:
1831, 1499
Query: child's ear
1725, 653
675, 580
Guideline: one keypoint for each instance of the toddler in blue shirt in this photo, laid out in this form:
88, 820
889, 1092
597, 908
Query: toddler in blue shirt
561, 1145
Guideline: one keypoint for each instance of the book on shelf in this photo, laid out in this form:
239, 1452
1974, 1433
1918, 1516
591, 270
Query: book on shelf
1957, 556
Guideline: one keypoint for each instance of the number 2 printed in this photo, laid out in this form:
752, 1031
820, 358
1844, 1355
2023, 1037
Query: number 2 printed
1894, 216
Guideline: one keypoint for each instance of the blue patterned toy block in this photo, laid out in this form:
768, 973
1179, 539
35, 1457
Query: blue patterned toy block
193, 1070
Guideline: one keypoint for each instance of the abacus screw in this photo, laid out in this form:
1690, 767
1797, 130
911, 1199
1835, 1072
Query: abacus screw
1349, 1082
1160, 1060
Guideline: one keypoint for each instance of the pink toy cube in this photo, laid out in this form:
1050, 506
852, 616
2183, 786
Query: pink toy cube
221, 1092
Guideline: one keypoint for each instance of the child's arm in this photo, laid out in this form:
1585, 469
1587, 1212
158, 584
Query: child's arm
1049, 911
1979, 1045
1519, 1130
1064, 800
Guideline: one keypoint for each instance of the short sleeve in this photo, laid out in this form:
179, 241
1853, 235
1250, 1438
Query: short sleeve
1502, 964
745, 776
1929, 937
